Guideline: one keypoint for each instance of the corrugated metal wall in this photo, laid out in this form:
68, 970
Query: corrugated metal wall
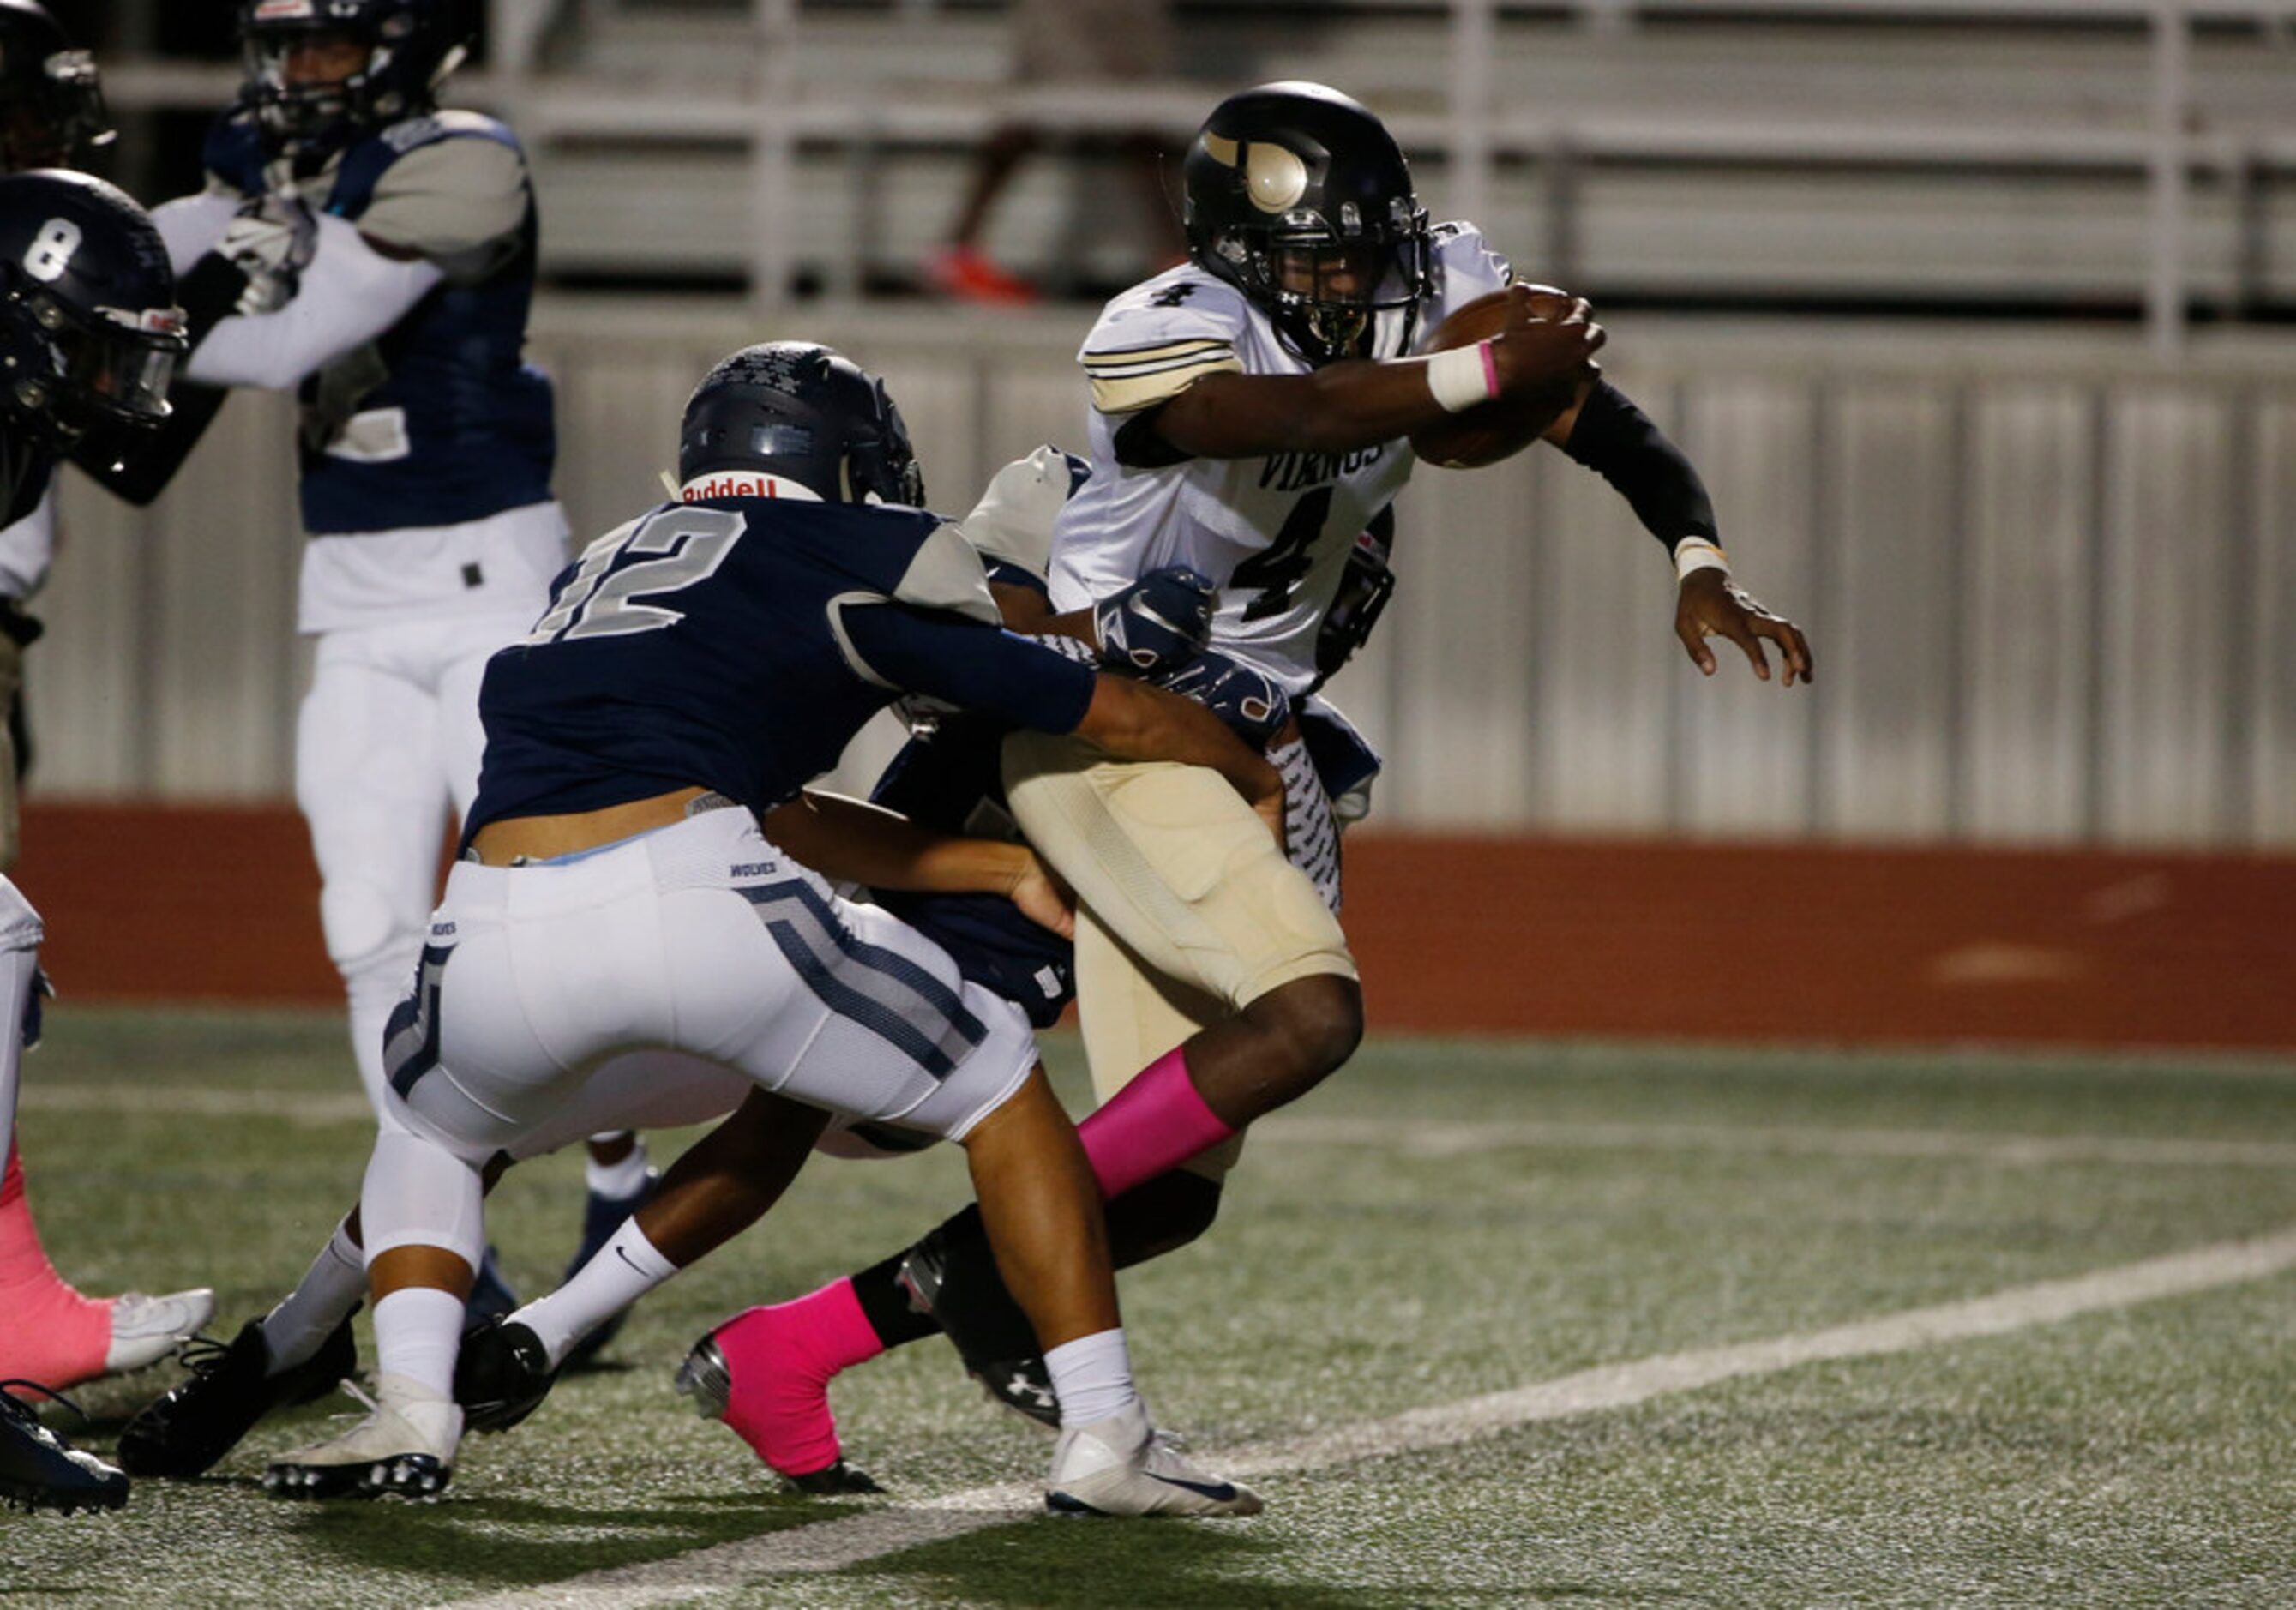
2052, 584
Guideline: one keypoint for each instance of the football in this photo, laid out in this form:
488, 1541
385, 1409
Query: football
1504, 426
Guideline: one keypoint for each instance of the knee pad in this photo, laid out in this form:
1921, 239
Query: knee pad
19, 925
418, 1192
371, 933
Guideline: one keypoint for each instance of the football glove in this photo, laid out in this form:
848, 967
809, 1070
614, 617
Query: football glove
1253, 706
1156, 625
272, 241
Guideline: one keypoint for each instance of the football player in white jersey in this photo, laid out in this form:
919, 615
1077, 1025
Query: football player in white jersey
1249, 415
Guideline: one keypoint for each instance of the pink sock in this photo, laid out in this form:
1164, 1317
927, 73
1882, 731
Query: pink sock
53, 1335
1150, 1127
780, 1360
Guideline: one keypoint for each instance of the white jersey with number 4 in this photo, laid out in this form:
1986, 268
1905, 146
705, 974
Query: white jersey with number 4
1272, 533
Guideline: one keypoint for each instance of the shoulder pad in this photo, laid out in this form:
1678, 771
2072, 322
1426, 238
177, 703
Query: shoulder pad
410, 134
1161, 337
1012, 523
1465, 267
461, 200
945, 574
1182, 300
233, 151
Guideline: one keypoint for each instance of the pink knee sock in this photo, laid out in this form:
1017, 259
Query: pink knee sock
54, 1336
1150, 1127
780, 1360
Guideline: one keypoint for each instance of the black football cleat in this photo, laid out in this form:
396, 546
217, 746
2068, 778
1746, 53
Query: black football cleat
39, 1470
1017, 1381
501, 1375
201, 1419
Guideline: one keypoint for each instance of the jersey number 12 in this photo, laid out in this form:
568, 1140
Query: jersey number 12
601, 599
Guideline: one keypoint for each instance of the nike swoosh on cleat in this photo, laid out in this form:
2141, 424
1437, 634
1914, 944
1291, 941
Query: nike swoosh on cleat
1220, 1492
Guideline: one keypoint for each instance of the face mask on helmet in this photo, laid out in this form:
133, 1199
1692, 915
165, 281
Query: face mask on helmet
321, 72
52, 110
806, 417
117, 368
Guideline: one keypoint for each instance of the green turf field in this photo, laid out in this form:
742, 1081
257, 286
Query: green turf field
1445, 1222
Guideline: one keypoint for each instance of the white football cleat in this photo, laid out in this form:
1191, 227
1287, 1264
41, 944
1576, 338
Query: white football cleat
405, 1446
147, 1329
1118, 1466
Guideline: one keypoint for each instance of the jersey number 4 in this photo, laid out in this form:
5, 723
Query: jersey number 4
1280, 566
601, 599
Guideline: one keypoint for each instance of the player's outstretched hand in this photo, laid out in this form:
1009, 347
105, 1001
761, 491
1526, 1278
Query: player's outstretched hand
1548, 343
272, 241
1711, 605
1043, 899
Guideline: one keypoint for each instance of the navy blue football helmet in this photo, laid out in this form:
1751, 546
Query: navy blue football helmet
89, 329
51, 112
1299, 197
807, 415
321, 72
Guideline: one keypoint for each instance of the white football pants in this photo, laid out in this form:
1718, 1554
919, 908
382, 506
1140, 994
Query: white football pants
700, 936
386, 761
19, 958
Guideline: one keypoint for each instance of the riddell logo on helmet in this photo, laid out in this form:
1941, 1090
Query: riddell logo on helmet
734, 485
278, 10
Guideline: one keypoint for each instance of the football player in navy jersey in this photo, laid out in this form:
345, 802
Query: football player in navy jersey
694, 669
384, 260
89, 335
52, 116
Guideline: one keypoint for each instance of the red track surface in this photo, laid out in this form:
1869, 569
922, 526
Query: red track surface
1499, 935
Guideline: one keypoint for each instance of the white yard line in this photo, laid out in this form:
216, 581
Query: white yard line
1419, 1138
831, 1545
1436, 1138
199, 1101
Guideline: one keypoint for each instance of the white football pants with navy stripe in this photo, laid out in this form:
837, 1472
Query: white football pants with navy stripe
700, 937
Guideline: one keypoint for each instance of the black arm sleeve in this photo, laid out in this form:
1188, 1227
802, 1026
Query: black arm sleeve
1139, 446
1617, 441
208, 292
138, 465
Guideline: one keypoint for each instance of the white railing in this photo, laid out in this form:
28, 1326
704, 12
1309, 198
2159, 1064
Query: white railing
768, 109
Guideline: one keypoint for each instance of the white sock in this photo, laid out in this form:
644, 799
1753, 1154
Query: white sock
1092, 1377
624, 1178
418, 1329
624, 1270
333, 1286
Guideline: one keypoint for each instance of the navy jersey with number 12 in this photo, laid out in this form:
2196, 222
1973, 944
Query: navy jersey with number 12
738, 644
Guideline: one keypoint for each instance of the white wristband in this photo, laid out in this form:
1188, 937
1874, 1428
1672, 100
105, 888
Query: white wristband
1697, 553
1462, 377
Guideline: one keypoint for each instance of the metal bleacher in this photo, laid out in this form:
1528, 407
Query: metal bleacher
2005, 153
